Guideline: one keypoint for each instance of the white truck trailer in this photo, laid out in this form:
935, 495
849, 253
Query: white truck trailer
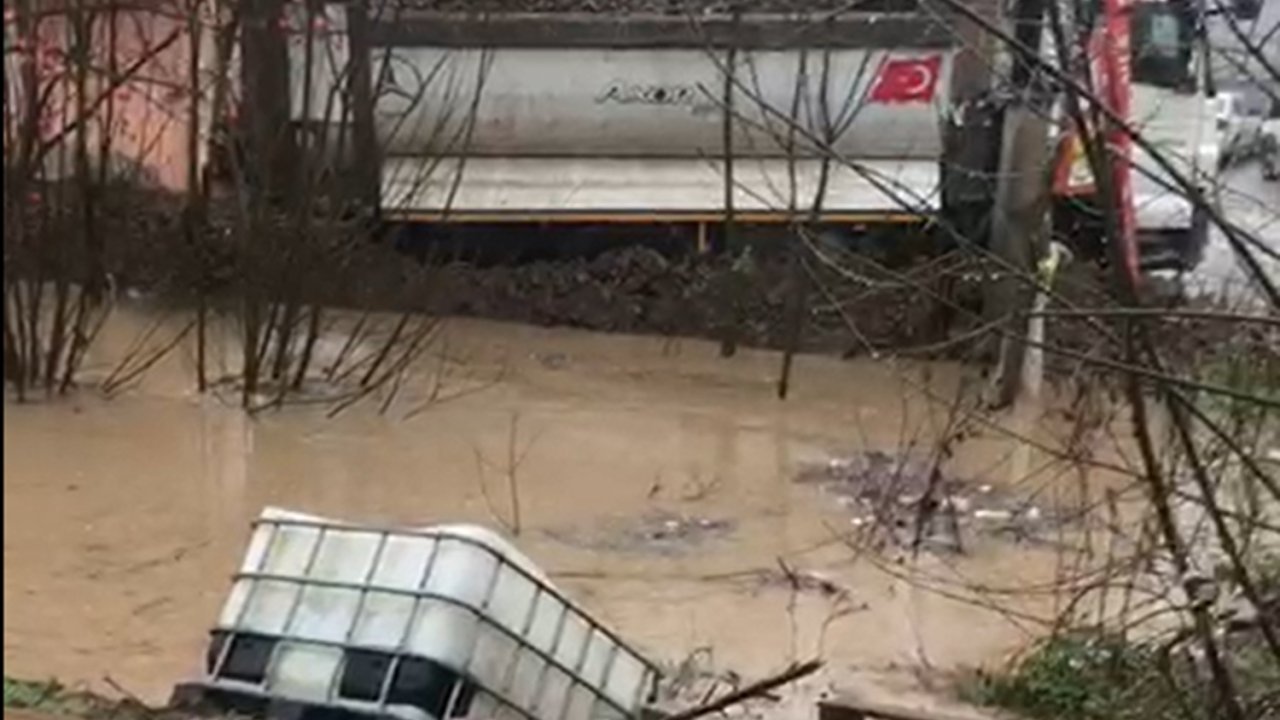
855, 120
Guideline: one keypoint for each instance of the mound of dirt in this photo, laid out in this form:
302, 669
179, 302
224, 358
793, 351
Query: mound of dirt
738, 297
638, 290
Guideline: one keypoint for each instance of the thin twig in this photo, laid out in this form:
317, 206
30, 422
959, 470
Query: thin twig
756, 689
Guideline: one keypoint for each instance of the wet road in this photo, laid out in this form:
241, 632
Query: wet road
1253, 204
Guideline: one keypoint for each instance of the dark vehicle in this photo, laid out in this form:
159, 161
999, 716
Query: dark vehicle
1271, 143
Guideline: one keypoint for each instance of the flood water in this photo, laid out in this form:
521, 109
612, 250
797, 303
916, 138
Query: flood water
655, 484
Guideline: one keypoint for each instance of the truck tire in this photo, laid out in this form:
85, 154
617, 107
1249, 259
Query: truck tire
1195, 240
1175, 250
1270, 158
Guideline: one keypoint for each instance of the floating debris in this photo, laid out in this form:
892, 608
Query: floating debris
660, 533
911, 501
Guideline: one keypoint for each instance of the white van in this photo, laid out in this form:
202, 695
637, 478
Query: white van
1239, 128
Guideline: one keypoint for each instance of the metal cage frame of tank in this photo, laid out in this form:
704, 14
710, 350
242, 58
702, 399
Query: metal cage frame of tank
587, 674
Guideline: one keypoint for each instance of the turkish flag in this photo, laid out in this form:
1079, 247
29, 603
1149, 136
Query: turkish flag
905, 80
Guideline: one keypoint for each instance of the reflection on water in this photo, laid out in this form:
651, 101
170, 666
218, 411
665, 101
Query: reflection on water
123, 519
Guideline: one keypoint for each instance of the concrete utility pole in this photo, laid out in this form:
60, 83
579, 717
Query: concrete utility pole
1019, 219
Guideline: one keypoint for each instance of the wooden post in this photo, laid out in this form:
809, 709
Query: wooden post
193, 217
733, 297
264, 75
731, 61
367, 171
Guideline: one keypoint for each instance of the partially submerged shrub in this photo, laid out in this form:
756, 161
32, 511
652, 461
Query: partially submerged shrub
1080, 676
1095, 675
49, 696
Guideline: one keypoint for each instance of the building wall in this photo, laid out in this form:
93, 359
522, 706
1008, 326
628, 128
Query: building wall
138, 92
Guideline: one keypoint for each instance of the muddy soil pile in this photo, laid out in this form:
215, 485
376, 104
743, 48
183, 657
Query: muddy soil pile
737, 296
638, 290
928, 307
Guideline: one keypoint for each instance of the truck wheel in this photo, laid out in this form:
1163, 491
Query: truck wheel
1271, 159
1196, 240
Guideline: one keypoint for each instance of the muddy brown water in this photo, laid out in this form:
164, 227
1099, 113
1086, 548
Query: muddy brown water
124, 518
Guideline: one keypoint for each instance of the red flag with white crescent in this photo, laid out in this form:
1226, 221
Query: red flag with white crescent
907, 80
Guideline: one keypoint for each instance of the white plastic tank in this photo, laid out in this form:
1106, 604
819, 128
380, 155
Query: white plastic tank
439, 622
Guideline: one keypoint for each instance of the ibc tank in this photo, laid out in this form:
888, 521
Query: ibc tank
440, 622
